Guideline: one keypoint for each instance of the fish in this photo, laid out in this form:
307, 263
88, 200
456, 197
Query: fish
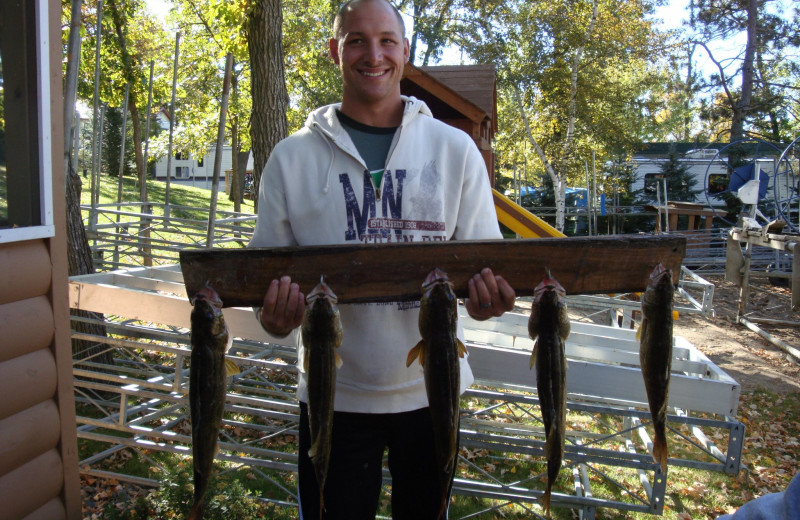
655, 353
322, 335
549, 326
438, 352
210, 341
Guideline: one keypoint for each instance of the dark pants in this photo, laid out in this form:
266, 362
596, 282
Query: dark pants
354, 477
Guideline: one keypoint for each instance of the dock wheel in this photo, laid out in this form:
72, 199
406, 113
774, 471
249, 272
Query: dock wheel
786, 186
754, 147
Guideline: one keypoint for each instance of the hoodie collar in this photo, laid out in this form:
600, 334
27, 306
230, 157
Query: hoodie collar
324, 118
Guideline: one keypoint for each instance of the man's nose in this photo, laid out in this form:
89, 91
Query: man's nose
374, 52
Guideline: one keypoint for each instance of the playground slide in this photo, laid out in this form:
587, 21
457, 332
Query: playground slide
520, 220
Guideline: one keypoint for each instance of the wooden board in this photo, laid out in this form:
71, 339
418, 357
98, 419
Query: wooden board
395, 272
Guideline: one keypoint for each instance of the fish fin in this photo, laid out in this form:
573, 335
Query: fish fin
533, 355
306, 359
337, 360
231, 369
461, 349
417, 351
640, 330
312, 451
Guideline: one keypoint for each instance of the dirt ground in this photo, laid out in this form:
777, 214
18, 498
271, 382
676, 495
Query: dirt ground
744, 355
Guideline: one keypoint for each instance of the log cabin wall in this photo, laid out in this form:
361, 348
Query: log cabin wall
38, 442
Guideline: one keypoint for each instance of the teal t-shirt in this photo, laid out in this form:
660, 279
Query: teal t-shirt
372, 142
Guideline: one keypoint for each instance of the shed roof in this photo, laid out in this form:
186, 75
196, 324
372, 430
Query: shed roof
475, 82
455, 90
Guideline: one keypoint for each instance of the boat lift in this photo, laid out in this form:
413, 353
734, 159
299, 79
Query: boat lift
141, 403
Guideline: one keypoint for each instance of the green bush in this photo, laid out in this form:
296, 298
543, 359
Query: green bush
227, 499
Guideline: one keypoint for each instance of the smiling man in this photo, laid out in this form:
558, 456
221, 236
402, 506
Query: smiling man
375, 168
370, 48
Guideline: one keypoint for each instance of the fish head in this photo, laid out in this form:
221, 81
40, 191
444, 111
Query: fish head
436, 279
660, 274
207, 311
321, 291
208, 294
660, 278
549, 289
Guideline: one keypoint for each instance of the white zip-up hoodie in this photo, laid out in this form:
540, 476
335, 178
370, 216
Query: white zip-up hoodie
316, 190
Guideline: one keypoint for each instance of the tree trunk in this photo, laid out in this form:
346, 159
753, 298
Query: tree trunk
268, 124
79, 256
743, 105
134, 81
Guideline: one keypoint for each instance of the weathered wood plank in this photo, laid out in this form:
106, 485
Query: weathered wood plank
394, 272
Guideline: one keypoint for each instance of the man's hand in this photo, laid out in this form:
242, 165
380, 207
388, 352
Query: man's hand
283, 307
489, 296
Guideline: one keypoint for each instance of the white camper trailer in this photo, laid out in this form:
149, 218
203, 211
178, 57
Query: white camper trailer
709, 169
711, 174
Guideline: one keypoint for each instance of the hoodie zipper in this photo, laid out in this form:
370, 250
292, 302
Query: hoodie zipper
395, 140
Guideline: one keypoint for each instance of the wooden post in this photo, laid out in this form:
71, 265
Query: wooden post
121, 167
734, 261
95, 188
144, 222
171, 126
796, 276
223, 111
745, 286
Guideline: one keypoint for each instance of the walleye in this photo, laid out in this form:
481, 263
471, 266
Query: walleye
655, 354
210, 341
322, 335
549, 326
438, 353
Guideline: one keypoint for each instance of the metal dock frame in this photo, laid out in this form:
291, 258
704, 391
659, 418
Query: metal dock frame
141, 403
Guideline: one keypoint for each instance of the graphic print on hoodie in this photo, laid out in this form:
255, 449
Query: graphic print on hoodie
366, 225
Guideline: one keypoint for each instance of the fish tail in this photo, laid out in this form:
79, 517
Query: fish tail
546, 500
443, 508
660, 450
321, 503
196, 512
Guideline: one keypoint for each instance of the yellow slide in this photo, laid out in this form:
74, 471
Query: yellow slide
520, 220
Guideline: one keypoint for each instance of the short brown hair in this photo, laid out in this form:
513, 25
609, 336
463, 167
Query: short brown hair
338, 21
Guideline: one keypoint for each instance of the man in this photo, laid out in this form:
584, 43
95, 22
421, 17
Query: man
375, 159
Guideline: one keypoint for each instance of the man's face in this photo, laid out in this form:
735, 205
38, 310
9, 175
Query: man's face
370, 52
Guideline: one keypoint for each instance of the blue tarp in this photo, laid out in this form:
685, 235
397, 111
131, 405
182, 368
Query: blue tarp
745, 173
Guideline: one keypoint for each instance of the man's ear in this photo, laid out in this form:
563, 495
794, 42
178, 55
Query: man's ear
406, 49
333, 48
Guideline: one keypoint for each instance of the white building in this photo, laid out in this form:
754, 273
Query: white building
187, 167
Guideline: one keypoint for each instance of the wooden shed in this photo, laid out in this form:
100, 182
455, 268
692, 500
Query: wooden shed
463, 96
38, 442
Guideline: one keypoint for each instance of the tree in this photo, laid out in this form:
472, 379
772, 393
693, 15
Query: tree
434, 26
113, 135
270, 99
79, 256
582, 76
764, 69
130, 40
